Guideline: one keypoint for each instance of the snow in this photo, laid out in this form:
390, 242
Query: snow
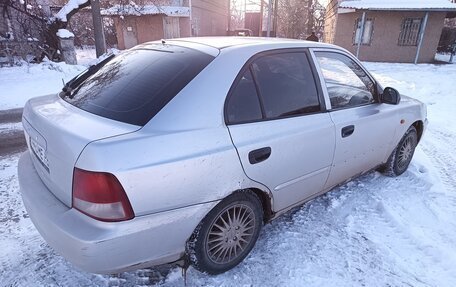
398, 4
86, 55
64, 33
372, 231
445, 57
69, 6
18, 84
42, 79
133, 9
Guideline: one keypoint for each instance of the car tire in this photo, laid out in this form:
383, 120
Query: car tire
227, 234
401, 156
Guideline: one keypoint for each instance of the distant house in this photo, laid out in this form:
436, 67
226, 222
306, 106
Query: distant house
135, 24
139, 24
209, 17
388, 30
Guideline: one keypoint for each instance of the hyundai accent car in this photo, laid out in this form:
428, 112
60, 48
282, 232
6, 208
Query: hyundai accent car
184, 148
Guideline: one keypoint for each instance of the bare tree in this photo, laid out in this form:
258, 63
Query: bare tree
293, 18
32, 27
298, 18
237, 14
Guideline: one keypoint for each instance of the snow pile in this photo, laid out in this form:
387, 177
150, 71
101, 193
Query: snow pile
445, 57
86, 55
398, 4
136, 10
64, 33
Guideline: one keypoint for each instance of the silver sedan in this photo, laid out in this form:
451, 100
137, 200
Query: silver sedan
184, 148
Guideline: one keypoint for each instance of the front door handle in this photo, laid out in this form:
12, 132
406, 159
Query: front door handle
348, 131
259, 155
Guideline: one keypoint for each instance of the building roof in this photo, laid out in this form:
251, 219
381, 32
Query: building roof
400, 5
136, 10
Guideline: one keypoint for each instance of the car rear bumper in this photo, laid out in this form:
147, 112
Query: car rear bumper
106, 247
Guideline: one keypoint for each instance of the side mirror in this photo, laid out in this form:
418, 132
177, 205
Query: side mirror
390, 96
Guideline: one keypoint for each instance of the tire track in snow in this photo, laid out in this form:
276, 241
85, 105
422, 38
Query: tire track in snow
440, 150
386, 220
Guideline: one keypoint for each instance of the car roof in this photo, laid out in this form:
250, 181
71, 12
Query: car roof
214, 45
233, 41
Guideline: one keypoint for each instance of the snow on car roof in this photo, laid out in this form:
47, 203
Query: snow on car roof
442, 5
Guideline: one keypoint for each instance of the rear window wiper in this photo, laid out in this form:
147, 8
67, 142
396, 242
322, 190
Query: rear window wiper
69, 87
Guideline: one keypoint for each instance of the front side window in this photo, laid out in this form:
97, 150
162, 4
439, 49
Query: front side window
410, 30
286, 85
347, 83
366, 36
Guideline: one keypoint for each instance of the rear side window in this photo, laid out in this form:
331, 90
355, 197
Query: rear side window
135, 85
243, 104
286, 85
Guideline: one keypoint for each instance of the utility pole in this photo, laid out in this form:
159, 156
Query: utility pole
229, 18
100, 43
310, 22
191, 17
268, 26
261, 19
276, 12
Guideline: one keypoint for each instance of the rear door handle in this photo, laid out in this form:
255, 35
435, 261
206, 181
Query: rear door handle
348, 131
259, 155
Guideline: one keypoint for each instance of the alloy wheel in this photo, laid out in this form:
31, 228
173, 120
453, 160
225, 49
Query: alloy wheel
230, 233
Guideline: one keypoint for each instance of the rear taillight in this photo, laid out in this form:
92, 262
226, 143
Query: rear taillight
101, 196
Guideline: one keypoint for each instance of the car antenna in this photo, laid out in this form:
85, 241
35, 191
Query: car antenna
63, 81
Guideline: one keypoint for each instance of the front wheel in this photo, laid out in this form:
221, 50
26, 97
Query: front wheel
402, 155
227, 233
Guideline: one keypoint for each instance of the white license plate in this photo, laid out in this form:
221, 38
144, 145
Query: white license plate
40, 153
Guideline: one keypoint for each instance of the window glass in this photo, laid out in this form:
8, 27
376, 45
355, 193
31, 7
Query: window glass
410, 30
135, 85
243, 104
367, 33
286, 85
347, 83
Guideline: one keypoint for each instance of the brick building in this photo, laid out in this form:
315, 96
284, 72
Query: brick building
388, 30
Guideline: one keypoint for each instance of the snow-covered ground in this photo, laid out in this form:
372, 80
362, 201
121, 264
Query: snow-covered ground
18, 84
373, 231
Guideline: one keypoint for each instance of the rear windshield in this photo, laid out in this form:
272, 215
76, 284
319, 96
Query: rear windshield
135, 85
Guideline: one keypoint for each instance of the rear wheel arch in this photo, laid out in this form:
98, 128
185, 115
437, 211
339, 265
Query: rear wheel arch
266, 202
226, 219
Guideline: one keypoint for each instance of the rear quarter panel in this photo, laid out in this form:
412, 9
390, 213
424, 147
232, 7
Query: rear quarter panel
166, 171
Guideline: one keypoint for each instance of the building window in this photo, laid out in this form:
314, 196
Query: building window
366, 37
410, 30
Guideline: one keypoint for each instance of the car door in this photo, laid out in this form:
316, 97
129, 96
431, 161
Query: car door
364, 126
283, 135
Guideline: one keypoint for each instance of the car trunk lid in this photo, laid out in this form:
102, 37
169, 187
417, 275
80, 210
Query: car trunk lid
56, 133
